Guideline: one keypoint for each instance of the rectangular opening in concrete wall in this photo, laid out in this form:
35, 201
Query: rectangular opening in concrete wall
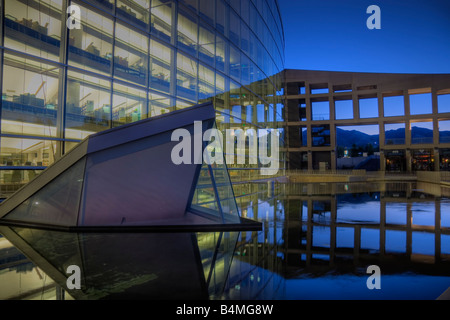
260, 112
320, 135
295, 88
320, 109
319, 88
342, 88
444, 131
294, 137
303, 136
368, 106
368, 87
422, 132
394, 104
343, 107
280, 112
321, 160
394, 133
443, 97
298, 161
301, 88
358, 147
420, 101
302, 110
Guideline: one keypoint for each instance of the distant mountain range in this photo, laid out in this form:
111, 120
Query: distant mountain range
347, 138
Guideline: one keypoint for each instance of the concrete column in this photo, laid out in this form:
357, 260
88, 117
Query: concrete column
437, 166
309, 233
333, 160
408, 160
380, 105
356, 113
382, 227
407, 104
310, 159
356, 244
437, 231
408, 132
409, 229
333, 230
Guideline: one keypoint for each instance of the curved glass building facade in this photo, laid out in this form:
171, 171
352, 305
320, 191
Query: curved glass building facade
111, 62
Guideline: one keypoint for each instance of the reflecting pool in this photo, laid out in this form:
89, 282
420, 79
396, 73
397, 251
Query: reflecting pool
317, 242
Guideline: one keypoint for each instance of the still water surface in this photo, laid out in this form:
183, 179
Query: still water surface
317, 242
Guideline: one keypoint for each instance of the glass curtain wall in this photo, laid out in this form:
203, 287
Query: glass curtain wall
128, 60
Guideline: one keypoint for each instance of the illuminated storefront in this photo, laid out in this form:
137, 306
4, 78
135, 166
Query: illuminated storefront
395, 160
422, 160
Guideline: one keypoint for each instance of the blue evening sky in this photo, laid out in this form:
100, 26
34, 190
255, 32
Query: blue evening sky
332, 35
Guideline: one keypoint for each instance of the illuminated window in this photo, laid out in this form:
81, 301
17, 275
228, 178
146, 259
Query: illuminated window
30, 97
90, 48
129, 104
36, 29
88, 104
131, 55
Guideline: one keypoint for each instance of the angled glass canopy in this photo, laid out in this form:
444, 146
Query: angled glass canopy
126, 178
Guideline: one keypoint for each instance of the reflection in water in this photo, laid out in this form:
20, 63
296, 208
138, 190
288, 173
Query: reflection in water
328, 234
317, 242
130, 265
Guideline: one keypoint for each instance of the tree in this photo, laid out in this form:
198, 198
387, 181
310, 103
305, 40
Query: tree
370, 150
354, 151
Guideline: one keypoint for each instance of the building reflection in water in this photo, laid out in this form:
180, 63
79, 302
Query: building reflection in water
319, 239
317, 242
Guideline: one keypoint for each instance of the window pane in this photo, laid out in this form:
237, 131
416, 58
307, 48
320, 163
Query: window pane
186, 77
205, 83
130, 55
206, 44
394, 133
394, 106
90, 48
343, 109
187, 33
27, 152
444, 103
368, 108
444, 131
135, 12
161, 20
159, 105
57, 202
320, 110
34, 29
129, 104
30, 97
421, 132
88, 105
160, 61
420, 103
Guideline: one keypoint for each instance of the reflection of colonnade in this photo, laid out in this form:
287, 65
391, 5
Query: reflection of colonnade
302, 228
